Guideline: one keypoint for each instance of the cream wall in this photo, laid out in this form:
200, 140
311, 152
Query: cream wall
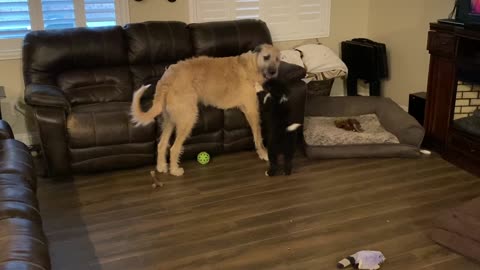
155, 10
403, 26
349, 19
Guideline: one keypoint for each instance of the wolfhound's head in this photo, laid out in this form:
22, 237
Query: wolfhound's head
268, 60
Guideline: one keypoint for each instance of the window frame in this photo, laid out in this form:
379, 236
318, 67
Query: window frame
301, 36
12, 48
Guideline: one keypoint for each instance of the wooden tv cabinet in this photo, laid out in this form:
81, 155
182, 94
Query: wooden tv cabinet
454, 52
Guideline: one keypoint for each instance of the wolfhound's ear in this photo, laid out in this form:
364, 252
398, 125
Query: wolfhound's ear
258, 48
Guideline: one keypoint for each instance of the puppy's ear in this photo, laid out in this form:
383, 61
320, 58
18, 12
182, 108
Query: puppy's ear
258, 48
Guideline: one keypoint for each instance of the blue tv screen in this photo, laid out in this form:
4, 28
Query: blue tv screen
476, 7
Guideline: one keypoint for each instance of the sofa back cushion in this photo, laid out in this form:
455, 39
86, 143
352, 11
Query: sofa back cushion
228, 38
96, 85
46, 54
152, 47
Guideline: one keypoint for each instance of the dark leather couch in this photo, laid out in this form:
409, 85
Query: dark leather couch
80, 83
22, 242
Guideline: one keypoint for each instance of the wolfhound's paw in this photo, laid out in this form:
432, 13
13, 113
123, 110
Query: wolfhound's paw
262, 154
162, 168
176, 171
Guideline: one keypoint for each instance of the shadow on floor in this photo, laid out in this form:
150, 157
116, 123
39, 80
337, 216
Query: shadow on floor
69, 240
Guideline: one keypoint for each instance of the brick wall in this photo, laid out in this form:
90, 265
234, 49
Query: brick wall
468, 99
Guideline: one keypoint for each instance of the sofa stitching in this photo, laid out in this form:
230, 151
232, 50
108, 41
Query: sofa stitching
24, 261
238, 37
149, 45
172, 40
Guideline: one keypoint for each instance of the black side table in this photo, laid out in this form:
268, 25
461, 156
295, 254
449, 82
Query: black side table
416, 106
2, 96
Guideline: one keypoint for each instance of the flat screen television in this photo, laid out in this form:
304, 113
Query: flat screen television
468, 11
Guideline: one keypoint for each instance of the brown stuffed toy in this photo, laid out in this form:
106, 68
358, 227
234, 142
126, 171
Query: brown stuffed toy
349, 124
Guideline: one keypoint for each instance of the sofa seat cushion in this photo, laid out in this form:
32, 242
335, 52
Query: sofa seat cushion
237, 132
15, 158
93, 85
207, 134
18, 201
16, 179
104, 124
235, 119
104, 158
23, 245
17, 193
209, 120
18, 209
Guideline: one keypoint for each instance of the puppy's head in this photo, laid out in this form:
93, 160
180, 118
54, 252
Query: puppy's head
276, 88
268, 60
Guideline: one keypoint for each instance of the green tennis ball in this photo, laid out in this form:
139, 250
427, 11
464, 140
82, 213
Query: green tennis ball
203, 158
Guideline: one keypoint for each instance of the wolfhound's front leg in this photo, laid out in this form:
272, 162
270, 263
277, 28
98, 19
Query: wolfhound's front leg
253, 117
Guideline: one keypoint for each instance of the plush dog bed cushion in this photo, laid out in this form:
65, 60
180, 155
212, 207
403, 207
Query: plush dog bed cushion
320, 130
393, 118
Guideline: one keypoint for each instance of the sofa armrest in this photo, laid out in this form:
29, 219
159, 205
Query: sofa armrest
46, 96
51, 123
396, 120
5, 131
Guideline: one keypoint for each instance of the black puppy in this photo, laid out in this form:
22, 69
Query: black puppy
281, 132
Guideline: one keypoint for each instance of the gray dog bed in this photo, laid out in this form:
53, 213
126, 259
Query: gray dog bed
389, 130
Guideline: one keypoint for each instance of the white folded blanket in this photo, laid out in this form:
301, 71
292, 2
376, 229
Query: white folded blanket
320, 58
292, 57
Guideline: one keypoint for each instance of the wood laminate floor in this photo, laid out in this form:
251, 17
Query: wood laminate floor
228, 215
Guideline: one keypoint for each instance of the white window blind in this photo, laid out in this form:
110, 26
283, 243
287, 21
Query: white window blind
17, 17
14, 18
58, 14
286, 19
100, 12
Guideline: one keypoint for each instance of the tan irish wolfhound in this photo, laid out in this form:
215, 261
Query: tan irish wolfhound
228, 82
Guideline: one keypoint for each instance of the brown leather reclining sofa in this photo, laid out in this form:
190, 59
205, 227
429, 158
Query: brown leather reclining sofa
22, 242
80, 83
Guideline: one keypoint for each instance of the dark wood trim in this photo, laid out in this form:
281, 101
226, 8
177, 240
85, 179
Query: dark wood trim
446, 55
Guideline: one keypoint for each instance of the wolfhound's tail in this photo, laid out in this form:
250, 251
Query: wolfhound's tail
141, 118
